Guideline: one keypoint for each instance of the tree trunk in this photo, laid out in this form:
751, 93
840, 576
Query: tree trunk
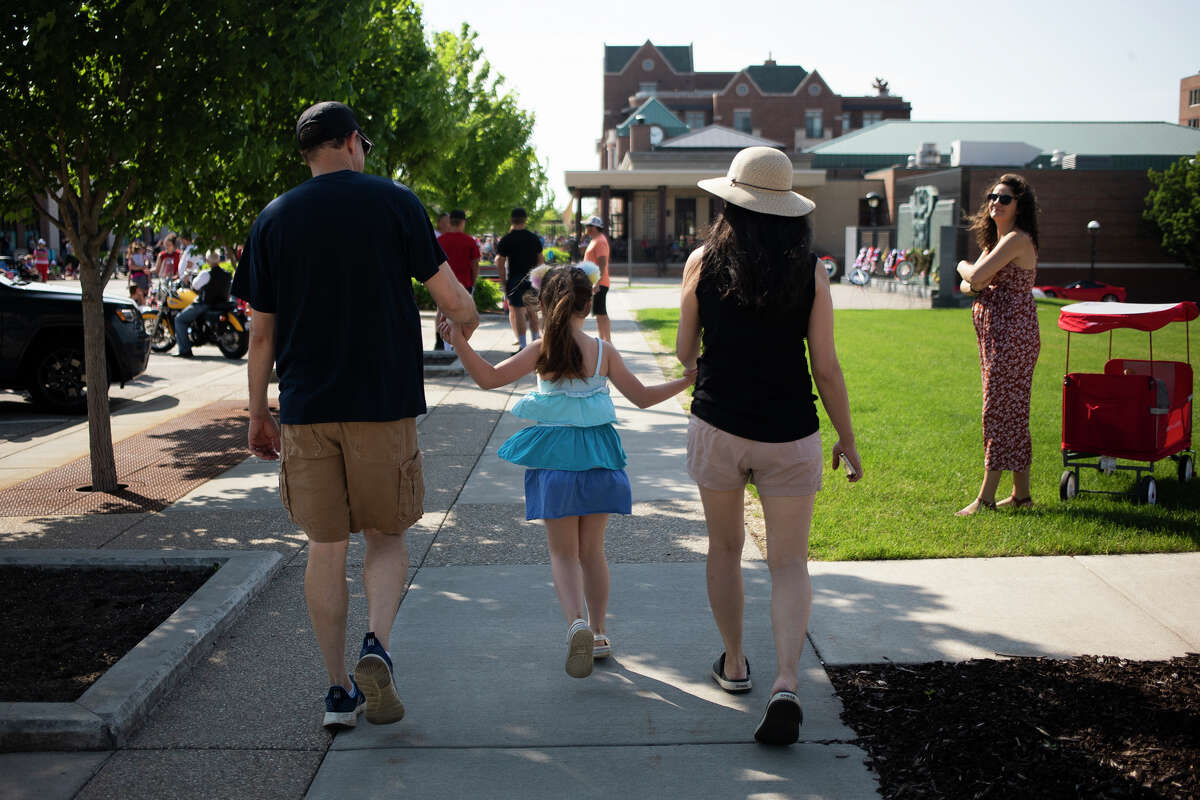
104, 465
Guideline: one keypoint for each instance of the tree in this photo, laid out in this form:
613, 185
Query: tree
1174, 206
103, 104
488, 164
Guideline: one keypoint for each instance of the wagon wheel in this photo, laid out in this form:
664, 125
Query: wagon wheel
1147, 491
1068, 485
1109, 298
1185, 468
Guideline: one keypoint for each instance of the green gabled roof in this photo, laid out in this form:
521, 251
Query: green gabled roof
655, 113
616, 56
777, 78
904, 137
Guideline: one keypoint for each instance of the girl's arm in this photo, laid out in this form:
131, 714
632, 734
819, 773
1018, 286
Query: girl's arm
638, 393
483, 373
687, 339
827, 372
1012, 245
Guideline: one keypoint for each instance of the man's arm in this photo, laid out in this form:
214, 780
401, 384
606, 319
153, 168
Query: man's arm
453, 300
264, 431
474, 271
501, 272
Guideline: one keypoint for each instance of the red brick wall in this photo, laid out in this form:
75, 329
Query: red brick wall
1188, 112
1069, 199
1115, 198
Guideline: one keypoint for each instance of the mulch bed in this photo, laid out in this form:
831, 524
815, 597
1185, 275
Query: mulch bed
1029, 727
61, 629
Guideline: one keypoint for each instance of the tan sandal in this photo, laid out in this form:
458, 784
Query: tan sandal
602, 647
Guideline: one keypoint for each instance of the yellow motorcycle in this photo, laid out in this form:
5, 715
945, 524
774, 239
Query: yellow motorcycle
224, 324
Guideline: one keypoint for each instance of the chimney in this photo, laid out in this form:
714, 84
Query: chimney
639, 135
770, 62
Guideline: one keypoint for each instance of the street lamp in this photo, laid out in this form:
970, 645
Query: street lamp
1093, 228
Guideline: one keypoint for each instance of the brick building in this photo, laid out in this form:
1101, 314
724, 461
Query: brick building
1189, 101
1081, 171
780, 102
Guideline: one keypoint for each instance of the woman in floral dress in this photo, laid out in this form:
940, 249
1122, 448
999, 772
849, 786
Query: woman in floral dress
1006, 325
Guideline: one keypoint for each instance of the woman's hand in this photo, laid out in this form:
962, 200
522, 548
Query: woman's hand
851, 454
690, 374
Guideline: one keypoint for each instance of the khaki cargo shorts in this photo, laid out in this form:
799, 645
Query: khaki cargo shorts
338, 477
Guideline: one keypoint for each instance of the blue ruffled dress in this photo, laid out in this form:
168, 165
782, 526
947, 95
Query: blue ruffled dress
574, 461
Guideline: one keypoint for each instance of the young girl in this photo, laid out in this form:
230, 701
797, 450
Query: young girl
575, 474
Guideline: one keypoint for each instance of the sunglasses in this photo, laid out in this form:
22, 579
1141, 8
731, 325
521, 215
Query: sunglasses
1002, 199
367, 144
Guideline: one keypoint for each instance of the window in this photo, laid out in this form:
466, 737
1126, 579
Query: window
846, 122
814, 89
1194, 97
741, 120
650, 88
648, 64
742, 90
812, 123
871, 117
693, 119
1194, 123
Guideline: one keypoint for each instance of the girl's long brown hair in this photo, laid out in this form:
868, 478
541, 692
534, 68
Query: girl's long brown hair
984, 227
566, 291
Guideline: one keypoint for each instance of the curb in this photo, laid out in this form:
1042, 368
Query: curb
107, 713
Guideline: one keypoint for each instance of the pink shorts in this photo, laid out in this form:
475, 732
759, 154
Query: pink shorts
724, 462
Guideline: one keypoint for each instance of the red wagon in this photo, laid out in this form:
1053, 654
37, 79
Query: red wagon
1137, 410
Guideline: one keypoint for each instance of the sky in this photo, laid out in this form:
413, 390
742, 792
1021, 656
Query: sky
1014, 60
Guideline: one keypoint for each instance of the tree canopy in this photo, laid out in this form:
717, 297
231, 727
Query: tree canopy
1174, 206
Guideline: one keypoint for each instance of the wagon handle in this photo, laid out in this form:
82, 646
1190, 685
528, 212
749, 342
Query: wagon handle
1068, 369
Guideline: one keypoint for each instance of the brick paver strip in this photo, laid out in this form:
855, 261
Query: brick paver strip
160, 465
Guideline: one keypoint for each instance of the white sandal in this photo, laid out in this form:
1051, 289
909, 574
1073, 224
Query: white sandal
602, 647
580, 645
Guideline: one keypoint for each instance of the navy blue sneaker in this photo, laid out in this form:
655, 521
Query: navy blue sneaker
342, 710
373, 674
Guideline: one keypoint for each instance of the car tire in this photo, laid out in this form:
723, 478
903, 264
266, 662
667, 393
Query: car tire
57, 379
1050, 293
1109, 298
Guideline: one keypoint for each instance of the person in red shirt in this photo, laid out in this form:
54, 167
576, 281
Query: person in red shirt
462, 253
167, 265
41, 260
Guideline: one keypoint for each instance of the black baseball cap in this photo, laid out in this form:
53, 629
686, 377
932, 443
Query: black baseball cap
325, 121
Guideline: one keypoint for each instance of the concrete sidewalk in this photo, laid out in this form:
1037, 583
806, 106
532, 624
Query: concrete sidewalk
478, 642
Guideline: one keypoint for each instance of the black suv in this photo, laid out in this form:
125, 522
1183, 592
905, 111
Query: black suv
41, 343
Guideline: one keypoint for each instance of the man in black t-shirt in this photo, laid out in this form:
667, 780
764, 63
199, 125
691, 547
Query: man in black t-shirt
518, 252
337, 318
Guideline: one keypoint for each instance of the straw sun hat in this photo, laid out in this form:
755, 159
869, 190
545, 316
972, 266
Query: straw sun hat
760, 179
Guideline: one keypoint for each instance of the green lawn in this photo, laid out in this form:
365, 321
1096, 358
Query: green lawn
913, 377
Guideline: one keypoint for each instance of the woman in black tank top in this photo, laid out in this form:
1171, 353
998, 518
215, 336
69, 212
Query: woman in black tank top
755, 299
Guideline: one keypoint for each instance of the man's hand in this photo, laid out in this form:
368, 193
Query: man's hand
264, 437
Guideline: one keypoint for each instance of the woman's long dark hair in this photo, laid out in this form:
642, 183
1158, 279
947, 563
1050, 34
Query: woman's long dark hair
762, 261
565, 292
984, 227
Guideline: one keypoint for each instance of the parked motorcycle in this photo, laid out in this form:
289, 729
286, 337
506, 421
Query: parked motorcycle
224, 324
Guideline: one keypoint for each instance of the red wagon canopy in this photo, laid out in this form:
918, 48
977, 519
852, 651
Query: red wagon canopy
1101, 317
